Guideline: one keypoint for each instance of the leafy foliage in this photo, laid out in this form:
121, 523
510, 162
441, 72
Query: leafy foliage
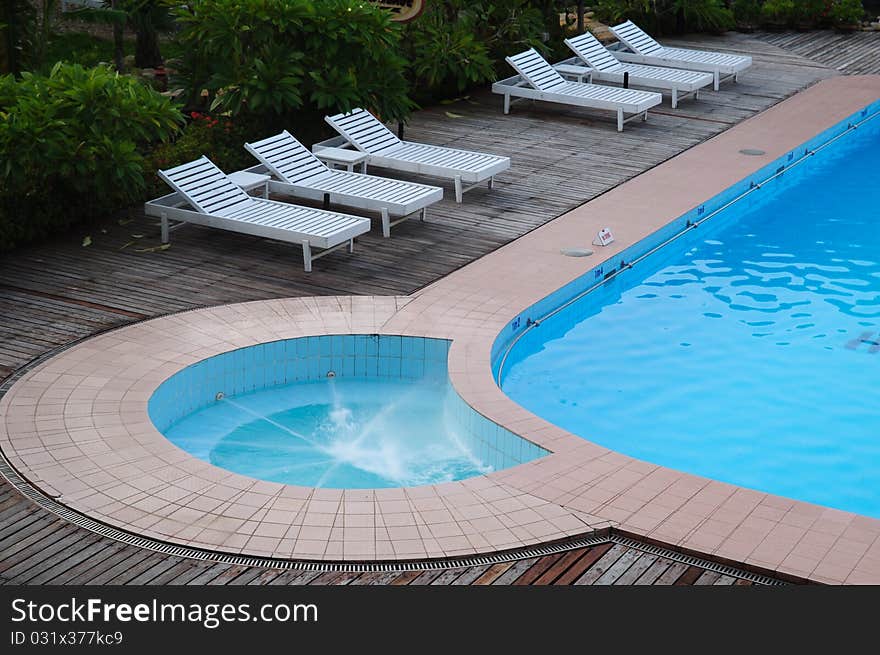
457, 44
847, 12
664, 16
17, 34
218, 137
71, 144
286, 61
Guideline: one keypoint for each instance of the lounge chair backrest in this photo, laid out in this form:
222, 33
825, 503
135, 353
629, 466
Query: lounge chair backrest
287, 158
590, 49
636, 38
364, 131
536, 71
206, 187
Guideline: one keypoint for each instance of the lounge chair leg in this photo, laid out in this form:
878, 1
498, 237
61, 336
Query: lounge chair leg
736, 77
422, 214
307, 256
458, 190
697, 94
165, 230
645, 117
386, 223
492, 182
620, 120
506, 103
674, 98
351, 245
717, 80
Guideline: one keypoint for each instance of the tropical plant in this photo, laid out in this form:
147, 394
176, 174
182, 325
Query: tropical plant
809, 14
72, 144
288, 62
456, 44
746, 14
777, 14
445, 57
703, 15
144, 17
668, 15
847, 13
17, 33
643, 12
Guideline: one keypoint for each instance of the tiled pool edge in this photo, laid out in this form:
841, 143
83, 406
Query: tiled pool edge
577, 488
311, 358
692, 513
624, 258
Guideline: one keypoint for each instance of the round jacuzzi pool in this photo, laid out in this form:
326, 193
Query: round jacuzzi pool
340, 411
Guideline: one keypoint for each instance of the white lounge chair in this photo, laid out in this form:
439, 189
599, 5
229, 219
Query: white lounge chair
302, 174
216, 202
645, 50
546, 84
602, 65
366, 133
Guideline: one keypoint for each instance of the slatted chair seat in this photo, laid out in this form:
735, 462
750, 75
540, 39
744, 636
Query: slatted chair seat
300, 173
546, 84
366, 133
217, 202
645, 50
603, 66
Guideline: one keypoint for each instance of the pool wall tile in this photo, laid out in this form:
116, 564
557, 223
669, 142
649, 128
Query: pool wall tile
310, 359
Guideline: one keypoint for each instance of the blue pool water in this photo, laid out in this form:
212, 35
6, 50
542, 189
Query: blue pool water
339, 411
341, 433
748, 351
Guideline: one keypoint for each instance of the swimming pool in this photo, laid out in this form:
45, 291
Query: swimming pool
747, 350
334, 411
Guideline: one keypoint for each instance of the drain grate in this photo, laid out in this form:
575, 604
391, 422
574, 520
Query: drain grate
23, 486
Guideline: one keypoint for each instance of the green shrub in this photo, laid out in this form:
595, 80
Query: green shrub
776, 14
746, 13
643, 13
72, 144
846, 13
17, 34
809, 14
457, 44
660, 16
289, 62
220, 138
444, 57
703, 15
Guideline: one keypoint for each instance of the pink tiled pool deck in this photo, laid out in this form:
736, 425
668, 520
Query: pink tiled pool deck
77, 427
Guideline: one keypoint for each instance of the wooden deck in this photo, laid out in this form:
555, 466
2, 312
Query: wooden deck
59, 291
37, 547
853, 53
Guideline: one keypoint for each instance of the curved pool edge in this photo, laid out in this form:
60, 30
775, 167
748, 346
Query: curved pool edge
92, 441
100, 454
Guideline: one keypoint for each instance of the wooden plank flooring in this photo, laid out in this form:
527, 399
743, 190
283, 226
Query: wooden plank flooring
38, 548
854, 53
57, 291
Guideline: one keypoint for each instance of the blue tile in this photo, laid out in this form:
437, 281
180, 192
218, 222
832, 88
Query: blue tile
384, 370
389, 346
